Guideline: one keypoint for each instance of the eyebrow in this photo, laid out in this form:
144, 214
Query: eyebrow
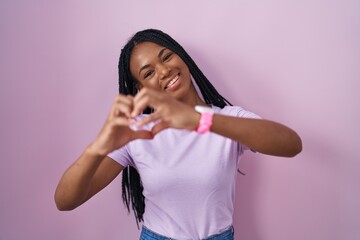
148, 65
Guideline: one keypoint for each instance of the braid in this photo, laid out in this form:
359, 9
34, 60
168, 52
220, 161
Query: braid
132, 192
131, 183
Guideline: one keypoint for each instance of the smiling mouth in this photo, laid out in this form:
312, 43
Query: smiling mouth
174, 80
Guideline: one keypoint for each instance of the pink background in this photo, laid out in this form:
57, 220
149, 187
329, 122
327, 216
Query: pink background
296, 62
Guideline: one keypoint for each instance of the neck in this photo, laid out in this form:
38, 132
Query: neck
193, 98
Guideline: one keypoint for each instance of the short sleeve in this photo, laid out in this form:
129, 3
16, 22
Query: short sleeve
242, 113
121, 156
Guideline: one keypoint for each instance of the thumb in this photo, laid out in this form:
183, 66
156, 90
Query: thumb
142, 134
159, 127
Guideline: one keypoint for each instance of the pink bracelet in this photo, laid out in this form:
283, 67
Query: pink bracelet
206, 119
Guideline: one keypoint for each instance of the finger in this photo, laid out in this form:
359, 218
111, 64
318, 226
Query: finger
121, 122
124, 98
123, 105
140, 104
151, 118
120, 110
146, 98
159, 127
142, 134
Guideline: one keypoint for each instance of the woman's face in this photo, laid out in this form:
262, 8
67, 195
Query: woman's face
157, 67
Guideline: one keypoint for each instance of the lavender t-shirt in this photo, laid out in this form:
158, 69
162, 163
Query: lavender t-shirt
188, 178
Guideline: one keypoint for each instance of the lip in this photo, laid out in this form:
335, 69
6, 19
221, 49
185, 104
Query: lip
169, 80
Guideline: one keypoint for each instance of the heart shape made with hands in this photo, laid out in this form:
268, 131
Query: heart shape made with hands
137, 124
169, 112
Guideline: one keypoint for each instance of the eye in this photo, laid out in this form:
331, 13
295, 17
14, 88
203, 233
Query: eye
148, 73
167, 56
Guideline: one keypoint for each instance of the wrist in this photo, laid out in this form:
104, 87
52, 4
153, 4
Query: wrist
206, 119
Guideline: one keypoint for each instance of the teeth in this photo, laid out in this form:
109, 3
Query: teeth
172, 81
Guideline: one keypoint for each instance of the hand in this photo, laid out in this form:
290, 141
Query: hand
116, 131
169, 112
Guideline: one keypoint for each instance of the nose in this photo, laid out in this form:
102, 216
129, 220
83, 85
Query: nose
164, 71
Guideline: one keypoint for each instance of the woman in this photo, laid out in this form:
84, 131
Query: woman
178, 151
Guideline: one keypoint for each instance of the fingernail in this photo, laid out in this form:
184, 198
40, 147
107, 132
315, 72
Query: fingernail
131, 121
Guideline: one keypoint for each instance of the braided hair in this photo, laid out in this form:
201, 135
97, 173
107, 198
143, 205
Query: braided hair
131, 183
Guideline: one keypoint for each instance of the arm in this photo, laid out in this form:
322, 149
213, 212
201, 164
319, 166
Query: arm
84, 178
260, 135
92, 171
264, 136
